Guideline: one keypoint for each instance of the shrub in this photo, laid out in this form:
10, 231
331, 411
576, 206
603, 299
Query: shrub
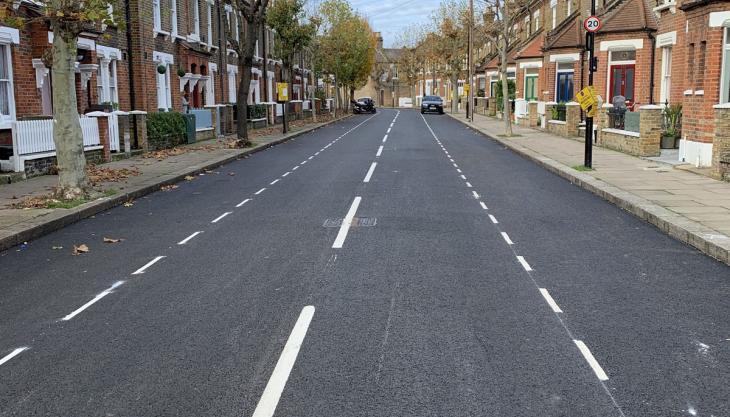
256, 111
498, 89
165, 130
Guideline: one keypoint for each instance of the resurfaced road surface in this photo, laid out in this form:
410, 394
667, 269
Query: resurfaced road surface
387, 265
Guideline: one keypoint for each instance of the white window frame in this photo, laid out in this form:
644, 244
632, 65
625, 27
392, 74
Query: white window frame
232, 70
164, 81
209, 14
173, 19
555, 15
666, 81
106, 83
569, 9
196, 21
210, 84
8, 38
536, 17
562, 71
270, 86
157, 16
725, 71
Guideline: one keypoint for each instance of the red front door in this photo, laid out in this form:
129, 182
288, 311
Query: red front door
622, 83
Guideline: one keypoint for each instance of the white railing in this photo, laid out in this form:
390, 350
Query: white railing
113, 133
305, 105
34, 139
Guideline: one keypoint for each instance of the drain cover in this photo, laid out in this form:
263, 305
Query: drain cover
356, 222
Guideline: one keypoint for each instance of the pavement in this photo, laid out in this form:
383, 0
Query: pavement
18, 225
691, 207
386, 265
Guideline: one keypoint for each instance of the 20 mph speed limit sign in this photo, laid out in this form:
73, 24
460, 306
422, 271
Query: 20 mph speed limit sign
592, 24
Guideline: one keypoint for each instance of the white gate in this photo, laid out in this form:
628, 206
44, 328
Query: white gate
113, 132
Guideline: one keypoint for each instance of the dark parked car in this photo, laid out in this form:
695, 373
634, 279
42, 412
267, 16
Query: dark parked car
432, 103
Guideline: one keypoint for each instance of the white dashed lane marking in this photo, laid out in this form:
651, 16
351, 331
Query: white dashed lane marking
13, 354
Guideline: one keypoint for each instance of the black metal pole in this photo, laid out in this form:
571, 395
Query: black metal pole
588, 159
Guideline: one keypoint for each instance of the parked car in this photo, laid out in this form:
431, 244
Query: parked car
432, 104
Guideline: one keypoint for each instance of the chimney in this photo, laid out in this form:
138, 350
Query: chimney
379, 38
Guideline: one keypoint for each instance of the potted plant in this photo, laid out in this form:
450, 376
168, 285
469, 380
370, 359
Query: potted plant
161, 68
671, 134
180, 72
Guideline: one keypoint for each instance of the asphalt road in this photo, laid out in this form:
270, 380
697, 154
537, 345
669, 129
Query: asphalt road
429, 272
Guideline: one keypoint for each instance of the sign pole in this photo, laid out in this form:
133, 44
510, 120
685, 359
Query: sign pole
590, 37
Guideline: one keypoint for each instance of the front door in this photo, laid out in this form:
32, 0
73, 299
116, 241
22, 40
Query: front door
531, 88
622, 82
565, 87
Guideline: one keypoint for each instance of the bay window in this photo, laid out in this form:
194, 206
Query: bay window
7, 97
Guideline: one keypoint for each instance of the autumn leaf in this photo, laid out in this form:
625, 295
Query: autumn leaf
231, 173
189, 177
78, 250
111, 240
129, 203
168, 187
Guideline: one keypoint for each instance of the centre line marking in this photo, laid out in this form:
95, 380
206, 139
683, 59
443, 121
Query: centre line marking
295, 168
463, 177
316, 153
524, 263
147, 265
310, 157
217, 219
272, 393
484, 206
94, 300
243, 202
455, 166
285, 174
370, 172
591, 360
274, 182
550, 301
507, 239
346, 222
13, 354
303, 162
468, 184
474, 193
380, 150
388, 130
260, 191
493, 219
189, 238
385, 138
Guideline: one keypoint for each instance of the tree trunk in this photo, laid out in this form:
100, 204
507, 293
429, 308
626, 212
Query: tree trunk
245, 64
286, 73
506, 107
455, 94
67, 134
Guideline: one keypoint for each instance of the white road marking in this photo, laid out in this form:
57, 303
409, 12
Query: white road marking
260, 191
452, 160
591, 360
463, 177
317, 153
385, 138
370, 172
455, 166
345, 227
274, 182
147, 265
13, 354
524, 263
310, 158
189, 238
303, 162
295, 168
484, 206
217, 219
474, 193
272, 393
493, 219
93, 300
285, 174
388, 130
506, 238
468, 184
380, 151
550, 301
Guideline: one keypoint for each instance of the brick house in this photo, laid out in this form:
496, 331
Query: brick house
383, 84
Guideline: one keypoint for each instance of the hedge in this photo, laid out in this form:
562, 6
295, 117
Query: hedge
165, 130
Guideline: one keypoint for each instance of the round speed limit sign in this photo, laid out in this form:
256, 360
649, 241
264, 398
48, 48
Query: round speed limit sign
592, 24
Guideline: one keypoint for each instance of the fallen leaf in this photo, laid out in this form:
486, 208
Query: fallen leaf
56, 247
111, 240
129, 203
231, 173
168, 187
189, 177
78, 250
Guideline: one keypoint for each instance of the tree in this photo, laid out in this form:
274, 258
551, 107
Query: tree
411, 62
253, 13
67, 19
451, 19
347, 46
286, 17
499, 21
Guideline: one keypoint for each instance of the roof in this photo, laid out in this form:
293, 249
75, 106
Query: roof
569, 34
532, 48
629, 15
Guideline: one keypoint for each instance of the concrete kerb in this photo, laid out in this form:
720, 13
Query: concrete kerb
37, 227
706, 240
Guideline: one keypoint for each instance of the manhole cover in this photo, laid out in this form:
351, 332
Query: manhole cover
356, 222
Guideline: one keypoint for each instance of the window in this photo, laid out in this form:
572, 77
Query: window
236, 33
569, 9
7, 100
209, 15
725, 80
691, 61
173, 17
666, 74
106, 81
531, 83
164, 90
536, 18
395, 71
196, 20
210, 84
157, 26
232, 71
564, 82
554, 9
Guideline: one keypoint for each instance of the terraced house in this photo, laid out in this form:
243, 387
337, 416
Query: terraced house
650, 52
169, 55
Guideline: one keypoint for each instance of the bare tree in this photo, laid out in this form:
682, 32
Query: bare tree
253, 13
410, 62
451, 19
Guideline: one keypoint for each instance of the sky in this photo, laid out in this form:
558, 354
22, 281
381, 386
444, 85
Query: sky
390, 17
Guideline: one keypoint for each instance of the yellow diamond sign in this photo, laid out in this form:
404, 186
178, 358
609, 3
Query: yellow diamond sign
588, 101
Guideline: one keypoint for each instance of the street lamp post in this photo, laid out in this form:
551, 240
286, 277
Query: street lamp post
470, 62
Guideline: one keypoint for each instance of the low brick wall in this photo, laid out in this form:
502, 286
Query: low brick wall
721, 144
557, 127
44, 166
622, 141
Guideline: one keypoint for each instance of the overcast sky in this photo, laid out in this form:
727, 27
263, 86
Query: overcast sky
391, 16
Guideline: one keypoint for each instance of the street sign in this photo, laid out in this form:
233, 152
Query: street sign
592, 24
466, 90
587, 98
282, 91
